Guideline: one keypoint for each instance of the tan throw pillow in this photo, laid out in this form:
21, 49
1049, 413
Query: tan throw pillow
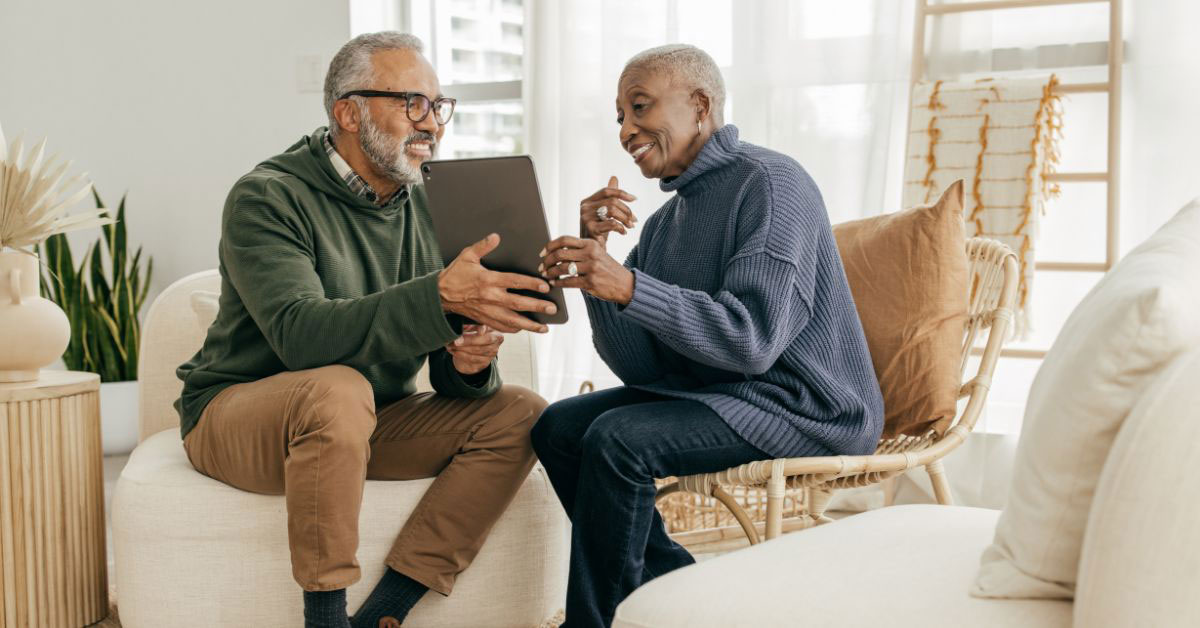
908, 274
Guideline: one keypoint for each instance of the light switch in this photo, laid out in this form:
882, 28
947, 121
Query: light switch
310, 74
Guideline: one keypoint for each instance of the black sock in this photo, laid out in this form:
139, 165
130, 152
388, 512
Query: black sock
325, 609
394, 596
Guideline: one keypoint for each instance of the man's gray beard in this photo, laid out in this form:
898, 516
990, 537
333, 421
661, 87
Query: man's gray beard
387, 155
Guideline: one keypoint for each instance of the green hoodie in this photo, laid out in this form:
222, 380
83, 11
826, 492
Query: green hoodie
313, 275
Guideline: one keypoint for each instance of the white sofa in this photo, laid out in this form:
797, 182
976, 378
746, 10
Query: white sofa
191, 551
1101, 527
898, 566
913, 565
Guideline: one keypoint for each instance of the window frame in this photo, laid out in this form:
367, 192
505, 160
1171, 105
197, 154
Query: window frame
482, 92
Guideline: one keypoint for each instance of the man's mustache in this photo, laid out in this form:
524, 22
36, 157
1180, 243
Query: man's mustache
421, 136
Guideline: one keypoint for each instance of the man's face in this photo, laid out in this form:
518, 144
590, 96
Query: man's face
395, 145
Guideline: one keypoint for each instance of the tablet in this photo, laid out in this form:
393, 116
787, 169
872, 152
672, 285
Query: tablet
471, 198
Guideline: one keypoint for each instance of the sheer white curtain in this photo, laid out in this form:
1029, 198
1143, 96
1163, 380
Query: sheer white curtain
827, 83
824, 82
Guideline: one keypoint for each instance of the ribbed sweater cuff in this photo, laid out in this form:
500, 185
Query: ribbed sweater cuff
653, 302
447, 381
416, 304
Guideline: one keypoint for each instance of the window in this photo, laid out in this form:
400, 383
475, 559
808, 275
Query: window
478, 50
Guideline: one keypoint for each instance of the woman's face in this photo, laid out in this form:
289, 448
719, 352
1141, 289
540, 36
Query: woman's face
658, 123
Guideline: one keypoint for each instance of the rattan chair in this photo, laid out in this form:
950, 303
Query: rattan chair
807, 484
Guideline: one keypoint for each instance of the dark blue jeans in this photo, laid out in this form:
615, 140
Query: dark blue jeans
602, 452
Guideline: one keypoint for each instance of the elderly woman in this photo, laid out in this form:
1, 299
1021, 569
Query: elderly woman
731, 325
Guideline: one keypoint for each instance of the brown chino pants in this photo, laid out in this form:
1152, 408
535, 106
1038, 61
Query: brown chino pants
314, 436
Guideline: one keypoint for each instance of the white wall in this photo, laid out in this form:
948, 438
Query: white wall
169, 100
1161, 125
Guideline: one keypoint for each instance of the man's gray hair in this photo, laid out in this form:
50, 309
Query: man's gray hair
351, 67
688, 66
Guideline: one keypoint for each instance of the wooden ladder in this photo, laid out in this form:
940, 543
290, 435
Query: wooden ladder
1112, 87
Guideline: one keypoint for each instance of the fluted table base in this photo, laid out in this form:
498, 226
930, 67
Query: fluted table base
52, 550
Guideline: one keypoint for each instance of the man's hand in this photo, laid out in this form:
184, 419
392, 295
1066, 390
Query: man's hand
598, 273
474, 350
618, 216
469, 289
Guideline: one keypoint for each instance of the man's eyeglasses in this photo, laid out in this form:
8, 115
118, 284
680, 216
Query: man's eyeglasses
417, 105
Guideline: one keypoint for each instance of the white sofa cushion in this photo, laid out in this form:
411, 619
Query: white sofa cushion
1139, 316
899, 566
191, 551
1141, 553
206, 304
171, 335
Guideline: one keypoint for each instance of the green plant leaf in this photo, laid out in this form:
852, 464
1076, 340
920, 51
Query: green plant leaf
132, 339
101, 293
117, 248
108, 366
145, 288
101, 300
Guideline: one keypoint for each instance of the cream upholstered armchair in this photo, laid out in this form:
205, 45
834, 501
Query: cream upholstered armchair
755, 493
183, 541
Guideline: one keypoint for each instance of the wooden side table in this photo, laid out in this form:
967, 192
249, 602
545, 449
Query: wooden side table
54, 569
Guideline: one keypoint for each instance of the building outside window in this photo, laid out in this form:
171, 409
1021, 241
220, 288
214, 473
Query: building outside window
478, 50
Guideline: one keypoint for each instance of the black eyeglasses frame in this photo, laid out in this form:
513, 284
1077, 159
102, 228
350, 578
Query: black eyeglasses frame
433, 103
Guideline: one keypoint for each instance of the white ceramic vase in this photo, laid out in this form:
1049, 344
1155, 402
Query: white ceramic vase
34, 331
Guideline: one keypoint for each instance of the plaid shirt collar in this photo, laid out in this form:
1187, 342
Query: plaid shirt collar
357, 184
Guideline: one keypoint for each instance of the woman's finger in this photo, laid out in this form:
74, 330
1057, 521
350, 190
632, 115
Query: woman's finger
563, 242
611, 192
563, 256
561, 270
616, 210
597, 227
580, 282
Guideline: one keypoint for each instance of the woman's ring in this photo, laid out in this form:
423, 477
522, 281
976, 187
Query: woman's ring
572, 269
602, 212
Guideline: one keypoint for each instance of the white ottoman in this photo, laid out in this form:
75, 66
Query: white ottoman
191, 551
898, 566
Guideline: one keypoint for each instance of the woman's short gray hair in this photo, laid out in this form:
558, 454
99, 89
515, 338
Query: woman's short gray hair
688, 66
351, 67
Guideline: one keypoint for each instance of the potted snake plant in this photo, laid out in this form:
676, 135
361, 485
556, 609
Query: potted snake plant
102, 296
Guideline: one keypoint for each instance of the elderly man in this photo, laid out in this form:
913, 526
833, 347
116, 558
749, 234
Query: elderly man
333, 295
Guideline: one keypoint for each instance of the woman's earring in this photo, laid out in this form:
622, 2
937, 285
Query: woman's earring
698, 131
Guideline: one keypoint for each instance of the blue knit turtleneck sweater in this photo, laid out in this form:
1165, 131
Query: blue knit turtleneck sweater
740, 302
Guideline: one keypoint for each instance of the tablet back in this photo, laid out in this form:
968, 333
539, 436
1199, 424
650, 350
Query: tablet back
470, 198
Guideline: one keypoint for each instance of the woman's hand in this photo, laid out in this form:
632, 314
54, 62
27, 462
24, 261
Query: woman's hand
473, 351
616, 215
597, 272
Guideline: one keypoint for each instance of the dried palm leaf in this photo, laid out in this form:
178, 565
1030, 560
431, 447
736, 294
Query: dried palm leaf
34, 199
